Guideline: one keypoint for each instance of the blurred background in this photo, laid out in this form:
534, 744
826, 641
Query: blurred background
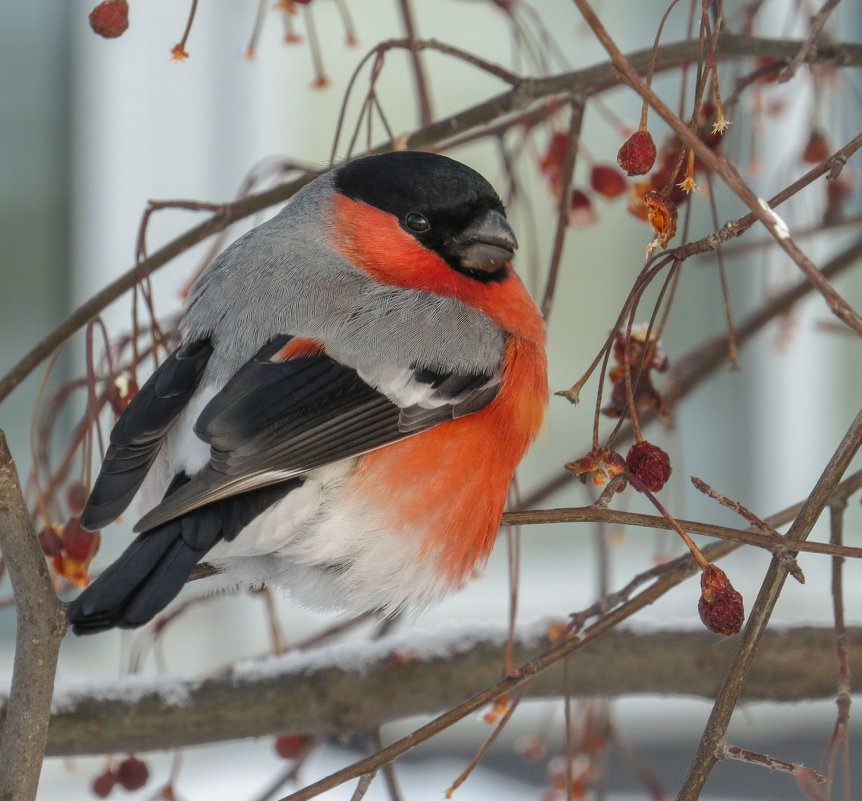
91, 129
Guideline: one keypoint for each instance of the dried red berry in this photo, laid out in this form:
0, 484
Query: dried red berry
599, 465
79, 543
121, 393
292, 746
607, 180
581, 211
662, 216
637, 155
110, 18
649, 464
552, 162
103, 784
720, 605
817, 148
49, 539
132, 773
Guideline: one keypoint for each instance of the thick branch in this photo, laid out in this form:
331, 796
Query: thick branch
342, 692
41, 625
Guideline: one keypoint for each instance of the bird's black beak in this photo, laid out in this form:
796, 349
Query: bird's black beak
487, 244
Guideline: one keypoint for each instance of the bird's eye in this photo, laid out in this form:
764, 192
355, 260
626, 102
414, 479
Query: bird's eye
417, 223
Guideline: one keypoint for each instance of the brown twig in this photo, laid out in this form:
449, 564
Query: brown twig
789, 561
567, 173
818, 21
840, 734
425, 113
766, 761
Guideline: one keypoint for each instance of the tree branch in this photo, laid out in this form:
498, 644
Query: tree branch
41, 625
342, 691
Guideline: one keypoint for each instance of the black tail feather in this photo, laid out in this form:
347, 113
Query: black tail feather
150, 573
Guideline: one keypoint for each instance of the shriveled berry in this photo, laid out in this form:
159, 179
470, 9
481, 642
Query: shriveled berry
607, 180
637, 155
79, 543
599, 465
49, 539
103, 784
649, 464
292, 746
122, 391
581, 211
132, 773
720, 605
110, 18
552, 162
817, 148
662, 216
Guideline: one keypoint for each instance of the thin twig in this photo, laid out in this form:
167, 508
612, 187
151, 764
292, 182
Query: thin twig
568, 170
818, 21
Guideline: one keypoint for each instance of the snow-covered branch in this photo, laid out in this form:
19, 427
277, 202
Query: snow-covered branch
354, 688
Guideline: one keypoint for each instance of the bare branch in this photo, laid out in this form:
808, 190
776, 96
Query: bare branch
41, 625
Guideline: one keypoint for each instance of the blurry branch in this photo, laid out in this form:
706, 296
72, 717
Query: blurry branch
41, 626
334, 695
527, 92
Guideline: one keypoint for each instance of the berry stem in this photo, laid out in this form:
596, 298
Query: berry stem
695, 551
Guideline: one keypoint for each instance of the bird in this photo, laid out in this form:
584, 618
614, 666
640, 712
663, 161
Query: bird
356, 382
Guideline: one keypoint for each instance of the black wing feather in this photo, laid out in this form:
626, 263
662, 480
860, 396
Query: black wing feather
139, 432
277, 419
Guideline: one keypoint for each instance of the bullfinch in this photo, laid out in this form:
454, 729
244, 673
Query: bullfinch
357, 381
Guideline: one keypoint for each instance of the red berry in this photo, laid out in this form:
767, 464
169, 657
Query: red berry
50, 541
110, 18
607, 180
552, 162
720, 605
79, 543
292, 746
817, 149
580, 209
637, 155
103, 784
650, 464
125, 388
132, 773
